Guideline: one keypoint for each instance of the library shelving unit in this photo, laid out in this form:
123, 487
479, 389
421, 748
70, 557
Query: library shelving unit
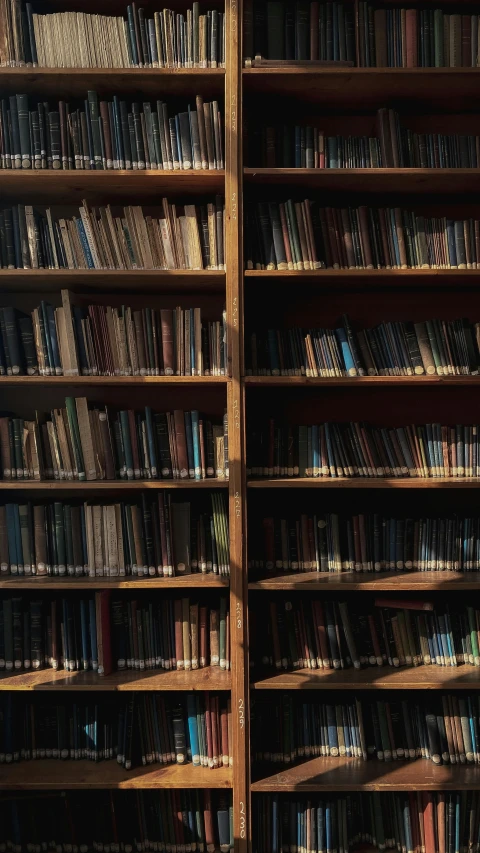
210, 290
253, 296
324, 97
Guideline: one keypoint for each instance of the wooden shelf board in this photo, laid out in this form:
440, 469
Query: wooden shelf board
75, 82
370, 180
433, 89
210, 678
110, 485
366, 483
56, 774
56, 186
375, 581
375, 678
164, 281
348, 774
89, 381
359, 381
48, 583
367, 279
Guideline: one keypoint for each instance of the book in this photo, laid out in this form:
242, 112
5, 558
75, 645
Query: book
337, 450
120, 730
144, 537
79, 443
98, 340
99, 135
391, 729
390, 144
169, 39
99, 633
331, 634
442, 347
379, 820
169, 237
305, 236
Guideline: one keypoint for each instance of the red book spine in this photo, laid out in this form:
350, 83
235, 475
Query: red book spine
411, 37
427, 803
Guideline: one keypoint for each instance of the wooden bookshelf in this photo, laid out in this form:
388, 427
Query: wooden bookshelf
358, 381
365, 279
375, 581
409, 181
75, 82
374, 678
105, 281
195, 581
116, 186
116, 381
366, 483
209, 678
79, 775
350, 774
110, 485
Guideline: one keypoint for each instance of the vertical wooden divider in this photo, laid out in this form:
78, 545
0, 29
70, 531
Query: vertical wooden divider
236, 424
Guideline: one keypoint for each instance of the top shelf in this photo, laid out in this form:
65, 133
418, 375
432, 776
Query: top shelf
433, 89
75, 82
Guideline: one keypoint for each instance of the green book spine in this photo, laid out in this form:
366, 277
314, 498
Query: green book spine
60, 538
24, 131
69, 551
95, 125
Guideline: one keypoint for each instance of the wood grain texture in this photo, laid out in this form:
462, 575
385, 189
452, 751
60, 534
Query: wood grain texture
104, 187
366, 483
51, 583
210, 678
375, 678
92, 381
337, 581
348, 774
75, 82
358, 381
367, 181
364, 279
109, 485
85, 281
58, 775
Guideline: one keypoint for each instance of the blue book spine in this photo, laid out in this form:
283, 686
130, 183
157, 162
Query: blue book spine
332, 152
197, 460
192, 730
46, 331
346, 352
52, 333
315, 452
84, 242
452, 252
131, 33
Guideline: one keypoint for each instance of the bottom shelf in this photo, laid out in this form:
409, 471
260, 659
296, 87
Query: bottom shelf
55, 774
348, 774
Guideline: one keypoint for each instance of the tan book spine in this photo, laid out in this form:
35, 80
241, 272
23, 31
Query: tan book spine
86, 438
120, 548
88, 509
194, 634
62, 441
70, 335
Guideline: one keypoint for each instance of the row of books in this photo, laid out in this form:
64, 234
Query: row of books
146, 537
442, 347
103, 341
363, 450
78, 40
78, 443
407, 38
392, 146
303, 235
109, 135
101, 635
281, 30
327, 634
299, 30
418, 822
173, 237
328, 542
443, 730
159, 820
145, 729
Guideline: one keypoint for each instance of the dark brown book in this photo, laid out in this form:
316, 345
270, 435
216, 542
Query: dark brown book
181, 443
380, 22
140, 341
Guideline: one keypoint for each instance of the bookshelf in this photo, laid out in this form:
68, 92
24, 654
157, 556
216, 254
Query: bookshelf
306, 90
